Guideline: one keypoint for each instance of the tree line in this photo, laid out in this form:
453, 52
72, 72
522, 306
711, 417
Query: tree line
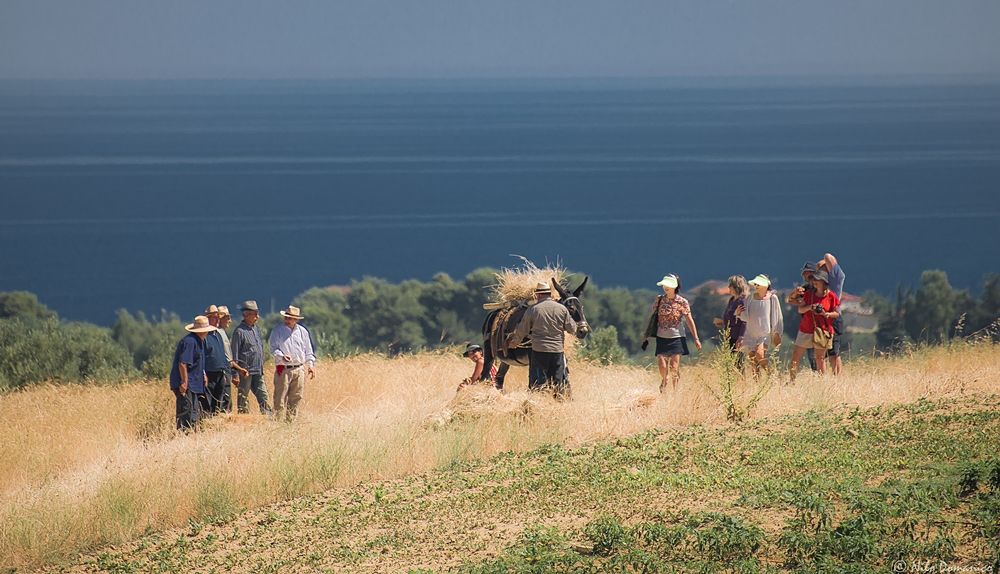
375, 315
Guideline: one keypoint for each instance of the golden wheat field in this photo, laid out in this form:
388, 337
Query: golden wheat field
87, 466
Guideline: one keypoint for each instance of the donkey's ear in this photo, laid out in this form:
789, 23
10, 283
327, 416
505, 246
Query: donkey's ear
582, 286
563, 294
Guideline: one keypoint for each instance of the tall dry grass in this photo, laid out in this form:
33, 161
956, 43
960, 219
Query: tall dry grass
87, 466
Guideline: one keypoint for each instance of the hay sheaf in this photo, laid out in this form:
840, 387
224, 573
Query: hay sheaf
484, 400
516, 284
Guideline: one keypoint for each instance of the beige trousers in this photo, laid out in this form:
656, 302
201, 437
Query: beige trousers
288, 388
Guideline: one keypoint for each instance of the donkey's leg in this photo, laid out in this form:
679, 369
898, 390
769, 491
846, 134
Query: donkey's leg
488, 359
501, 373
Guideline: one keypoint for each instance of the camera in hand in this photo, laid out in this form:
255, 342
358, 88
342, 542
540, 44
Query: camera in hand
817, 308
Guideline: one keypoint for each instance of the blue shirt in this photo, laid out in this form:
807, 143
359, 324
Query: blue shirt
215, 353
837, 277
291, 346
248, 350
190, 351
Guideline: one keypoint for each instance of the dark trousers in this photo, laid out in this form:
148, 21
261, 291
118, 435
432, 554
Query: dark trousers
548, 370
838, 330
189, 409
218, 391
252, 383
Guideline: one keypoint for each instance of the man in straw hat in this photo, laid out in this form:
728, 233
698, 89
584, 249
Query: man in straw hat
546, 321
248, 358
225, 319
187, 373
293, 358
216, 364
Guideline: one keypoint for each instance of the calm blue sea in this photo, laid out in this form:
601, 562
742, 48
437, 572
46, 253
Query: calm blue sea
173, 195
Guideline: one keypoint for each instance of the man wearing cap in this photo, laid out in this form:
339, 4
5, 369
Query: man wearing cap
187, 373
248, 357
216, 363
293, 358
474, 353
545, 322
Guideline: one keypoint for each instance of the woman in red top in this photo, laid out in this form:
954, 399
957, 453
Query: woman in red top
819, 308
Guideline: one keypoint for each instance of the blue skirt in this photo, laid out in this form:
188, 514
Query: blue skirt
672, 346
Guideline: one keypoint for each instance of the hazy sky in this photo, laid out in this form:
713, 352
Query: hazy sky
497, 38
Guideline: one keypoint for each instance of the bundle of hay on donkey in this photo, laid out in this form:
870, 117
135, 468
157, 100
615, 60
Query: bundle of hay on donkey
516, 285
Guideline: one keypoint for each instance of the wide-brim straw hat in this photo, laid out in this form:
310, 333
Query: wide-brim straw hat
211, 310
543, 288
761, 281
668, 281
224, 311
200, 325
292, 312
249, 305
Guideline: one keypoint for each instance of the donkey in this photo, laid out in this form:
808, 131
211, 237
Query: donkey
502, 322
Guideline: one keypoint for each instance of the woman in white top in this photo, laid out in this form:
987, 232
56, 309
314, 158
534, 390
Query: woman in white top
764, 322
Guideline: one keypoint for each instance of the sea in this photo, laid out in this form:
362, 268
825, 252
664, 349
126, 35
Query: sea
172, 195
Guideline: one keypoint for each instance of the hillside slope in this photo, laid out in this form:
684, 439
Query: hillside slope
86, 467
844, 489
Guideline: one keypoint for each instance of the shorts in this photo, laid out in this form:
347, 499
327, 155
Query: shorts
749, 344
671, 346
838, 327
804, 340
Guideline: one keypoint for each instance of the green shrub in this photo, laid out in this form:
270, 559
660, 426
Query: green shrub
602, 346
48, 350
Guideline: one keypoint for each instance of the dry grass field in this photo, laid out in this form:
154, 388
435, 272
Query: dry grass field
85, 467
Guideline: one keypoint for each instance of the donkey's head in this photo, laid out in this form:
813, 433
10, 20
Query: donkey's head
574, 305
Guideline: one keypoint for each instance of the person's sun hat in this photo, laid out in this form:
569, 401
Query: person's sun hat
669, 281
200, 325
809, 266
543, 288
822, 276
224, 311
249, 305
292, 312
211, 310
471, 348
761, 280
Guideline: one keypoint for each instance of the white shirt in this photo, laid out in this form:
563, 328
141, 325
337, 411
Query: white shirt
291, 346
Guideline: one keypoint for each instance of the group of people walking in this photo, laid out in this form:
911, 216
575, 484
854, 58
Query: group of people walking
753, 322
207, 362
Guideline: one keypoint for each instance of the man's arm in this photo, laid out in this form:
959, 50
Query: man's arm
183, 369
185, 358
310, 354
478, 372
237, 343
522, 330
272, 343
